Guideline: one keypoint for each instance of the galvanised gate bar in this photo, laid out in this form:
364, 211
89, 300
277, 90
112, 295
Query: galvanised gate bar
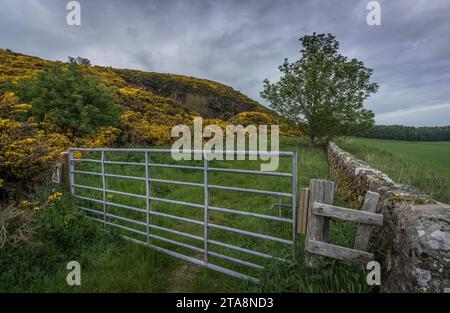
104, 216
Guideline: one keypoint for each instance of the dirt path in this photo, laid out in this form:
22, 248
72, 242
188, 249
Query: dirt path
182, 278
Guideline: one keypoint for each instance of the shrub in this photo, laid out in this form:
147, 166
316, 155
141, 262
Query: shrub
76, 103
104, 137
137, 130
27, 153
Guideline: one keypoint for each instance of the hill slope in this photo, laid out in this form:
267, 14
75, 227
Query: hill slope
151, 104
204, 97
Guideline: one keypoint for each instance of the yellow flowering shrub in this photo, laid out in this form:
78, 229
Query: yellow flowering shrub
26, 151
287, 128
29, 158
155, 109
254, 118
137, 130
104, 137
9, 106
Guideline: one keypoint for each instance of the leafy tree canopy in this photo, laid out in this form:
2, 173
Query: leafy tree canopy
74, 102
323, 91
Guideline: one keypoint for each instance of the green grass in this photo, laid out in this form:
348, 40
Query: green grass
423, 165
115, 265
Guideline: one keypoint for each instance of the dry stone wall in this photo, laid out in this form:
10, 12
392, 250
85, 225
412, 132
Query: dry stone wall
414, 243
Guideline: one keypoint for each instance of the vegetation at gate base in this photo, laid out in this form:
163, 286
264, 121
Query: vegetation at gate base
43, 234
409, 133
423, 165
323, 92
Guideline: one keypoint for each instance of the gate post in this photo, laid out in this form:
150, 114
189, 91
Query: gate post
69, 171
147, 195
318, 226
64, 173
302, 211
206, 212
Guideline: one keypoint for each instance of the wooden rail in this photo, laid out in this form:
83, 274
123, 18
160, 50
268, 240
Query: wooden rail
347, 214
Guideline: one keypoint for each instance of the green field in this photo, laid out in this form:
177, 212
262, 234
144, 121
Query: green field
116, 265
423, 165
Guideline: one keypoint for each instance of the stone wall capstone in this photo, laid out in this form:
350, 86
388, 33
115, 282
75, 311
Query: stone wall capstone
414, 242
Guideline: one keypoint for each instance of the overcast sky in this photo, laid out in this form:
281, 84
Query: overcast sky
240, 43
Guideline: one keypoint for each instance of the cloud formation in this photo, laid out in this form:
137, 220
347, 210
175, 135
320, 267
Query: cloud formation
240, 43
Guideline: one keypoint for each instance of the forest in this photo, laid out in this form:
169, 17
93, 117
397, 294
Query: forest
409, 133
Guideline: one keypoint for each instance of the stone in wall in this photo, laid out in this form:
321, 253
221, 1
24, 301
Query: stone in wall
414, 243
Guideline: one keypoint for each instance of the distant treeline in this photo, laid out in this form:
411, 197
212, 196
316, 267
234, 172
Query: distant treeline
399, 132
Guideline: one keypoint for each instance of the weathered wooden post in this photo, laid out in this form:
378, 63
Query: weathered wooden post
302, 211
64, 170
364, 230
318, 226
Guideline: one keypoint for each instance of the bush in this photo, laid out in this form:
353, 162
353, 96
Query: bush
26, 154
76, 103
104, 137
137, 130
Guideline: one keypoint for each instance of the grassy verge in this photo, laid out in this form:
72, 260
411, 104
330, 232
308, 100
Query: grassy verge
110, 264
423, 165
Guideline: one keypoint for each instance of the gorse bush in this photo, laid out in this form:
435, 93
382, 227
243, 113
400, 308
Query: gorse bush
76, 103
26, 150
43, 114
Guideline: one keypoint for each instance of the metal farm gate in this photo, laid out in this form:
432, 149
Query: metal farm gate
99, 204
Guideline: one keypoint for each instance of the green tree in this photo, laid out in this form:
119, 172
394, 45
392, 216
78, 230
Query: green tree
76, 103
323, 92
80, 61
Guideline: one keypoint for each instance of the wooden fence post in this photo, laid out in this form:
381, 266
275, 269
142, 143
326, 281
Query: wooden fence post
364, 230
64, 174
303, 211
318, 226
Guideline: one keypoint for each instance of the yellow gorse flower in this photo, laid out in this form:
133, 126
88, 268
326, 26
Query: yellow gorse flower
54, 197
24, 203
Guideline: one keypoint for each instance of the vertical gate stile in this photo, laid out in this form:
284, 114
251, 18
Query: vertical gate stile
104, 186
147, 195
294, 202
206, 213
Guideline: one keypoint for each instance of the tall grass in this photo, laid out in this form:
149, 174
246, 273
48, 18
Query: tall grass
425, 166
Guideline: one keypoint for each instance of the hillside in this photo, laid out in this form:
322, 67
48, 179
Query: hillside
169, 92
150, 104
